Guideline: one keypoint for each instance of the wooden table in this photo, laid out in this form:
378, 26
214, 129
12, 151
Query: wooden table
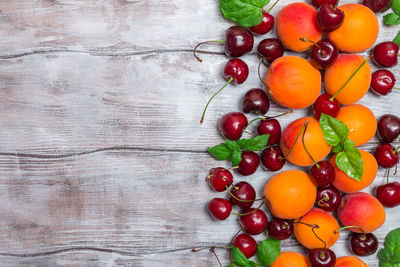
102, 159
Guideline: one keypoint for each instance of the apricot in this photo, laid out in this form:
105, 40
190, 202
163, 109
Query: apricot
295, 21
361, 123
340, 71
291, 259
346, 184
350, 261
362, 210
359, 30
327, 225
313, 140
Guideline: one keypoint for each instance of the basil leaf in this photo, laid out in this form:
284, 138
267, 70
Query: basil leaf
396, 6
236, 157
350, 162
254, 144
268, 251
391, 19
391, 252
245, 12
397, 39
348, 145
239, 258
387, 264
232, 145
338, 148
220, 151
333, 129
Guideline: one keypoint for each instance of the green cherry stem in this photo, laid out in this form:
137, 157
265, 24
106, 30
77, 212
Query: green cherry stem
241, 200
309, 41
304, 145
261, 79
268, 117
347, 227
396, 88
295, 141
206, 42
397, 149
276, 2
250, 212
387, 175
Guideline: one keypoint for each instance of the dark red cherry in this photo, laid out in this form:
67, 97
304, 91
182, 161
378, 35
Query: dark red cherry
389, 194
385, 54
231, 125
323, 53
328, 198
318, 3
255, 100
270, 49
266, 24
322, 257
243, 191
280, 229
363, 244
249, 163
388, 128
272, 158
271, 127
382, 82
386, 155
219, 208
254, 222
239, 41
378, 5
324, 175
219, 178
236, 69
323, 104
246, 244
330, 17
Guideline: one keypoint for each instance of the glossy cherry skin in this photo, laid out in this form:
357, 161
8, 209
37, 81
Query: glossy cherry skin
266, 24
385, 54
236, 69
382, 82
324, 175
388, 128
271, 127
249, 163
220, 178
386, 156
378, 5
322, 257
272, 158
219, 208
255, 100
318, 3
280, 229
231, 125
270, 49
389, 194
324, 53
323, 104
243, 191
328, 198
239, 41
255, 222
363, 244
246, 244
330, 17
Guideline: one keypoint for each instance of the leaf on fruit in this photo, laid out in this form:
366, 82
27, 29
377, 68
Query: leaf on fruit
268, 251
247, 13
221, 151
232, 145
397, 39
338, 148
350, 162
240, 259
333, 129
257, 143
391, 19
236, 157
396, 6
390, 255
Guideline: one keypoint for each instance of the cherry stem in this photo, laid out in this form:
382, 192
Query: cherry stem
267, 117
395, 151
250, 133
295, 140
233, 168
351, 77
253, 120
304, 145
200, 249
242, 200
307, 40
396, 88
199, 44
313, 227
324, 198
250, 212
387, 175
346, 227
395, 170
215, 254
272, 6
259, 76
223, 177
205, 109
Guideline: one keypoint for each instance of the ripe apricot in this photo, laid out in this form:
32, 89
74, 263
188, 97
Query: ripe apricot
359, 30
340, 71
291, 259
295, 21
350, 261
348, 185
361, 123
290, 194
313, 140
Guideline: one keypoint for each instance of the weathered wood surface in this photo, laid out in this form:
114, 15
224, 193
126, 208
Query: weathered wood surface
102, 158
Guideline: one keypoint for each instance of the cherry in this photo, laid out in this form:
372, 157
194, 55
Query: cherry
385, 54
389, 194
318, 3
246, 244
219, 208
328, 198
244, 195
323, 53
255, 100
231, 125
382, 82
363, 244
322, 257
330, 17
249, 163
254, 222
325, 104
219, 178
266, 24
388, 127
280, 229
378, 5
271, 127
270, 49
323, 174
239, 41
272, 158
386, 155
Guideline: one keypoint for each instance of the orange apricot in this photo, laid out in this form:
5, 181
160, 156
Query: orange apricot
359, 30
291, 259
290, 194
349, 261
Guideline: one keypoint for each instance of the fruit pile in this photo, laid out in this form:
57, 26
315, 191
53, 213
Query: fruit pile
316, 204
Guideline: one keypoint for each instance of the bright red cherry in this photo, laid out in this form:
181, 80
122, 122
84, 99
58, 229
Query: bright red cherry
382, 82
239, 41
266, 24
254, 222
386, 155
328, 198
388, 127
322, 257
243, 191
271, 127
231, 125
255, 100
378, 5
389, 194
249, 163
363, 244
246, 244
219, 178
270, 49
330, 17
318, 3
272, 158
280, 229
385, 54
323, 104
324, 175
219, 208
323, 53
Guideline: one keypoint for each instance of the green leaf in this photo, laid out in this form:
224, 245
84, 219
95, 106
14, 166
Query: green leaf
220, 151
348, 145
350, 162
333, 129
245, 12
268, 251
391, 252
397, 39
396, 6
236, 157
239, 258
387, 264
391, 19
338, 148
232, 145
254, 144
